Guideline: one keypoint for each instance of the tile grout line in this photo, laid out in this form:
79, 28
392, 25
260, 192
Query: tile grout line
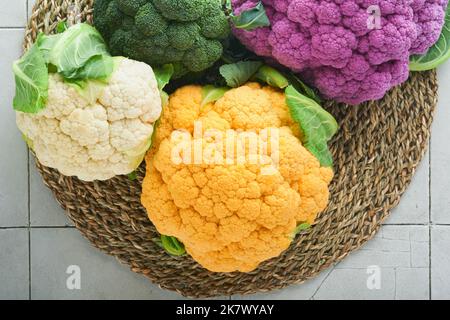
406, 224
12, 28
37, 227
332, 268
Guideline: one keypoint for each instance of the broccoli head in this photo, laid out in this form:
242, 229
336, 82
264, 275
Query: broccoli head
186, 33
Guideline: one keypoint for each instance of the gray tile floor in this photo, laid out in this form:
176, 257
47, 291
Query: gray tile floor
409, 258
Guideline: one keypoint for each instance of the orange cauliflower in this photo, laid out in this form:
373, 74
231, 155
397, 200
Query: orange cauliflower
231, 216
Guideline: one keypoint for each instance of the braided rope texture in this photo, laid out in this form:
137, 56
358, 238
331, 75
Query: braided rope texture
376, 153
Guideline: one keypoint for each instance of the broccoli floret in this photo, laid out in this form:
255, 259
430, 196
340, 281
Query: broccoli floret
157, 55
215, 27
181, 10
119, 40
159, 40
203, 55
182, 36
127, 23
213, 7
130, 7
172, 56
185, 33
111, 19
149, 21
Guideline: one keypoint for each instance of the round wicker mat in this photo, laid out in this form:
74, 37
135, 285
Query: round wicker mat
376, 152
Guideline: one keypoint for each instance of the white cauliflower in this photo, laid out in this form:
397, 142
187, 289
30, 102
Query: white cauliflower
96, 140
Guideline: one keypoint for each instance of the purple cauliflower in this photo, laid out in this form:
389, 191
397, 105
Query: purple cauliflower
343, 47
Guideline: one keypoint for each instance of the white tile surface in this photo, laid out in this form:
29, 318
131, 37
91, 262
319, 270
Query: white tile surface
102, 277
13, 13
395, 283
343, 284
304, 291
401, 255
13, 160
440, 262
14, 281
412, 283
401, 250
440, 152
393, 247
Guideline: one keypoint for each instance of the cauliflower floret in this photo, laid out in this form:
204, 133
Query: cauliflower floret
96, 141
349, 51
232, 216
129, 91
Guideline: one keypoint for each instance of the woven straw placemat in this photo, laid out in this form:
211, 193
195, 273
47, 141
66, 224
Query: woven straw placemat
376, 153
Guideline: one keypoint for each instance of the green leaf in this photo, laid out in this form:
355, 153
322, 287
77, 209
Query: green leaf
31, 79
239, 73
132, 176
212, 94
164, 98
61, 26
163, 75
155, 127
272, 77
302, 227
46, 43
317, 125
172, 246
79, 54
96, 68
301, 87
90, 90
437, 54
251, 19
72, 50
99, 66
310, 93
